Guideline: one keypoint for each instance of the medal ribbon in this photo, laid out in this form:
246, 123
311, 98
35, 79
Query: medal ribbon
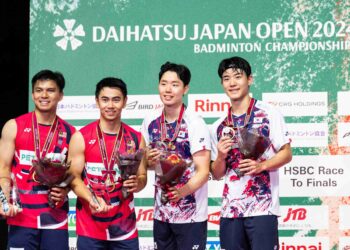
109, 172
247, 117
49, 137
163, 129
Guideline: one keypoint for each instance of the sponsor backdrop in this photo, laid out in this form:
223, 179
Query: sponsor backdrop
299, 52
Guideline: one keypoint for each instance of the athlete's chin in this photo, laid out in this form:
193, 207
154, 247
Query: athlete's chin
168, 103
110, 117
45, 109
235, 98
172, 103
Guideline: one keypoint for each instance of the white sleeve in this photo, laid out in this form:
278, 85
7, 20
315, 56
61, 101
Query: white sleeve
213, 141
278, 130
144, 130
199, 135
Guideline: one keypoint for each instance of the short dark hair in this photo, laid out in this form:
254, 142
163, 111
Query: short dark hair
111, 82
47, 74
181, 70
234, 63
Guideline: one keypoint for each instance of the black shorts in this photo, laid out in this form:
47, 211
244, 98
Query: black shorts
255, 233
173, 236
33, 239
88, 243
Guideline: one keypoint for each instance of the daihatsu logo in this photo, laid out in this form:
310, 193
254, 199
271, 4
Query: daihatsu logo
69, 34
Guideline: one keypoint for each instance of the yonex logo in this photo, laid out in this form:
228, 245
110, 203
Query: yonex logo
27, 130
92, 141
68, 34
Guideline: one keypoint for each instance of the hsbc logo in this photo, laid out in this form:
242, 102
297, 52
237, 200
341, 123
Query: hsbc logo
214, 218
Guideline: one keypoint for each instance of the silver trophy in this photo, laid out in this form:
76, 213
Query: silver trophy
4, 202
12, 189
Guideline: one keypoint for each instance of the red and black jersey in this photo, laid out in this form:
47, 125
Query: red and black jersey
120, 222
34, 196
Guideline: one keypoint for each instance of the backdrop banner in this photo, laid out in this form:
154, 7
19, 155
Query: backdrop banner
299, 53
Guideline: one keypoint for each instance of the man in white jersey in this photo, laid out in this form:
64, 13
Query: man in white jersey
180, 213
249, 144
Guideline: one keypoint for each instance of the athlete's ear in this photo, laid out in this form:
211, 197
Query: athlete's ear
250, 80
125, 101
96, 101
61, 95
187, 88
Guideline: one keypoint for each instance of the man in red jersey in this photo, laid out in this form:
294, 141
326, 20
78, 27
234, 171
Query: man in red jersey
105, 218
36, 135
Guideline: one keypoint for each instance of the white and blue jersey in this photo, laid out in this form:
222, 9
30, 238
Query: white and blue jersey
252, 195
193, 136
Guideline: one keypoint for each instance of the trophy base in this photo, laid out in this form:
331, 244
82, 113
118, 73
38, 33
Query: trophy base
125, 193
238, 172
163, 198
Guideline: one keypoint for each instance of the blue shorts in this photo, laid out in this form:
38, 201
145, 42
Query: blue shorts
33, 239
172, 236
256, 233
89, 243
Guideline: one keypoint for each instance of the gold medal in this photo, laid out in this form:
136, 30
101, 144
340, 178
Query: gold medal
110, 185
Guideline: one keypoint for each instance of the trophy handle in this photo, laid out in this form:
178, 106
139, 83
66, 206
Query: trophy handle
94, 197
125, 193
4, 201
33, 176
15, 194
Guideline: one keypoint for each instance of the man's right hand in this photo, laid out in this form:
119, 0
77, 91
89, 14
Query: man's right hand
13, 211
153, 157
99, 205
224, 146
